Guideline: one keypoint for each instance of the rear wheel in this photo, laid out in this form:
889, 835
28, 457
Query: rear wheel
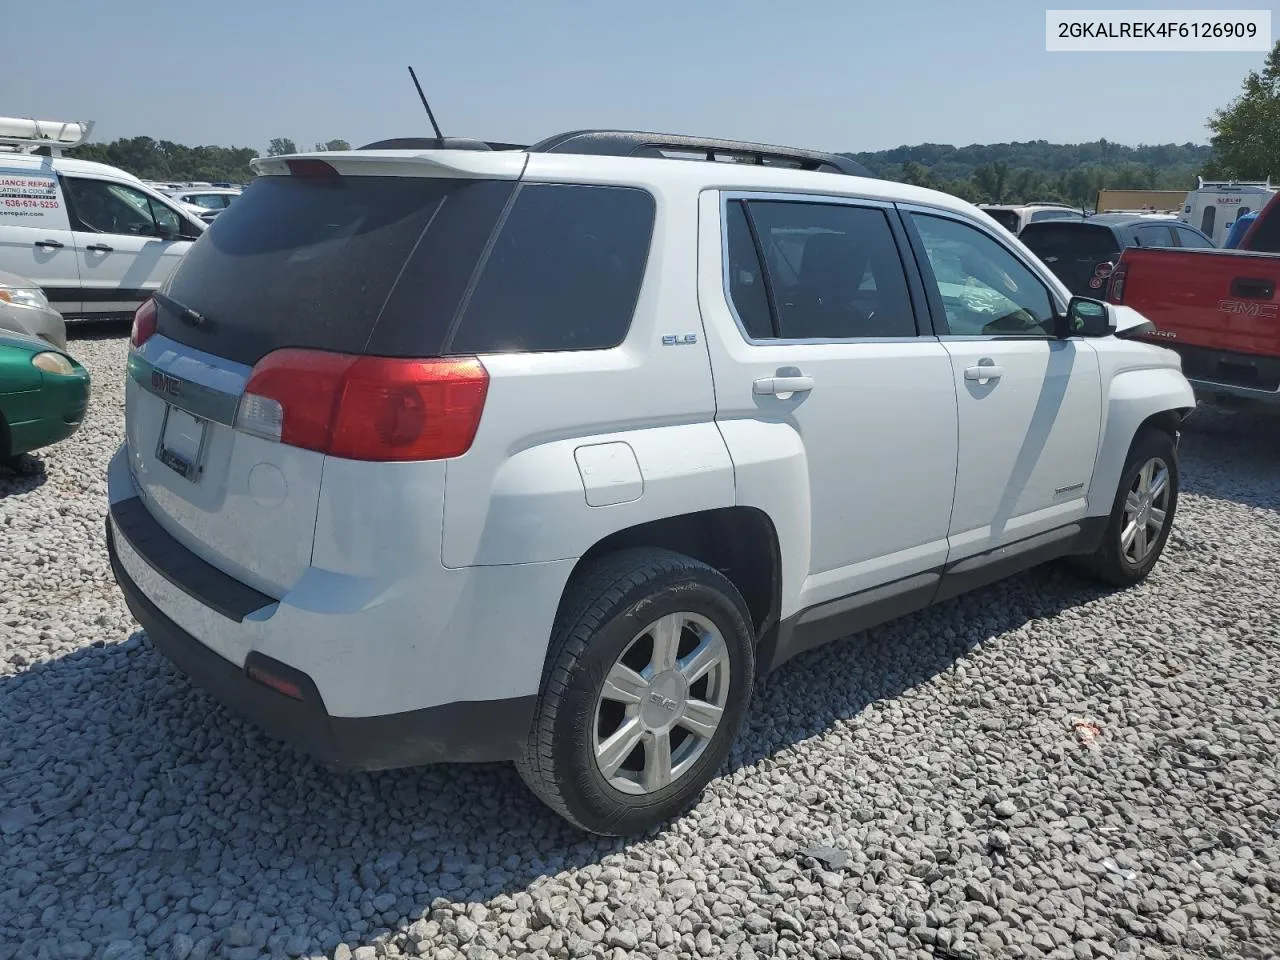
1142, 514
648, 678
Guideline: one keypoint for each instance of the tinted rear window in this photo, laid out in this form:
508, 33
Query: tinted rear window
564, 272
1069, 241
310, 263
388, 266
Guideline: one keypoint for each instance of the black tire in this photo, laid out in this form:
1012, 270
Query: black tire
604, 609
1109, 563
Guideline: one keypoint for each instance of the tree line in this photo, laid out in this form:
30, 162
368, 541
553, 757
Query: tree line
1038, 170
1245, 145
165, 160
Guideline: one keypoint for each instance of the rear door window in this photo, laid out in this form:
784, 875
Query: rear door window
744, 275
1190, 238
833, 270
1158, 235
564, 272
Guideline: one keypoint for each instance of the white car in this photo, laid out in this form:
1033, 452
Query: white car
205, 202
1014, 216
97, 240
546, 454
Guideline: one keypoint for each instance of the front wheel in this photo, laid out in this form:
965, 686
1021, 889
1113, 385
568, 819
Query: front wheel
648, 678
1142, 514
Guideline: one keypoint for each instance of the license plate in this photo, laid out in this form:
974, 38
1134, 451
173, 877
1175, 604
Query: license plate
181, 442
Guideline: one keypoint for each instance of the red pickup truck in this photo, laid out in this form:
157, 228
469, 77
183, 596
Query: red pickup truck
1217, 308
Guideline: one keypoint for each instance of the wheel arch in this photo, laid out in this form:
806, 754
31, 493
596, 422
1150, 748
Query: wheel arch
740, 542
1158, 398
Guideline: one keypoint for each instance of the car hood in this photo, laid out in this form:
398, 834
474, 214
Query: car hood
21, 341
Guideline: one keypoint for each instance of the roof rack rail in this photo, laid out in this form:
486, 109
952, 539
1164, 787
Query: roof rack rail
42, 137
438, 143
635, 143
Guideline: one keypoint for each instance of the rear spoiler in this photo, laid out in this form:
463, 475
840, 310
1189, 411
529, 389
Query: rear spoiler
462, 164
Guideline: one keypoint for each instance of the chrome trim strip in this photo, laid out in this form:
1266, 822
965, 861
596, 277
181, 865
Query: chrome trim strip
203, 385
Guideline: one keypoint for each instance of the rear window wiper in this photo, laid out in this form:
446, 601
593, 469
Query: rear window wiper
185, 313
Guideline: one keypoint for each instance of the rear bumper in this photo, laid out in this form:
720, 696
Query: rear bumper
486, 730
1222, 372
1212, 388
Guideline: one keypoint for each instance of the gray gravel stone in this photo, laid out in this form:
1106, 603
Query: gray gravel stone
942, 754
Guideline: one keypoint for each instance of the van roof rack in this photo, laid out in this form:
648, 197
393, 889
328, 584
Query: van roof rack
636, 143
46, 138
1203, 183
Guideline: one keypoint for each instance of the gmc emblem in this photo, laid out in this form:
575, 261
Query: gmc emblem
1245, 309
163, 383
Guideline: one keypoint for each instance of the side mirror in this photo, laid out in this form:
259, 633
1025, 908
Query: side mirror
164, 231
1089, 318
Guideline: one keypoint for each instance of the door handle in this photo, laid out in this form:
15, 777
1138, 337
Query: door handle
99, 248
50, 244
779, 385
984, 371
1253, 288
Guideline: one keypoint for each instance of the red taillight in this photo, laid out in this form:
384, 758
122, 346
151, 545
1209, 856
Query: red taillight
366, 408
144, 324
1116, 292
278, 684
311, 169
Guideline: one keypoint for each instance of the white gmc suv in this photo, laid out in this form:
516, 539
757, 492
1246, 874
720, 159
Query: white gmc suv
545, 454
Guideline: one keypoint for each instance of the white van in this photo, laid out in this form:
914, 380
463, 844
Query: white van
96, 239
1215, 205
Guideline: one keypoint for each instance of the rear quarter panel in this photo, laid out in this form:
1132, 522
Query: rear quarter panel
519, 495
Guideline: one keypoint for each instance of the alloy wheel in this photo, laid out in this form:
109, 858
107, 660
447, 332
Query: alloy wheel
1146, 510
661, 703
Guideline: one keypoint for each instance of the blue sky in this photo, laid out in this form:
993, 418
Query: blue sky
828, 74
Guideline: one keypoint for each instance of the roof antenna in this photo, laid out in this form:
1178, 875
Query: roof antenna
430, 116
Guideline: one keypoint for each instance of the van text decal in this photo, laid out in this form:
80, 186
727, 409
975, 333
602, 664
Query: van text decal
24, 193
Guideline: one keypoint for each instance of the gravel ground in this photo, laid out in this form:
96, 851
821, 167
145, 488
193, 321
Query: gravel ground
1039, 769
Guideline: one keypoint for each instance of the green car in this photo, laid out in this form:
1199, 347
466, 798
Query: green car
43, 395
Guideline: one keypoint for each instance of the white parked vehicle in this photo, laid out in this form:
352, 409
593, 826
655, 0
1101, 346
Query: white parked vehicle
205, 202
97, 240
546, 454
1014, 216
1215, 205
